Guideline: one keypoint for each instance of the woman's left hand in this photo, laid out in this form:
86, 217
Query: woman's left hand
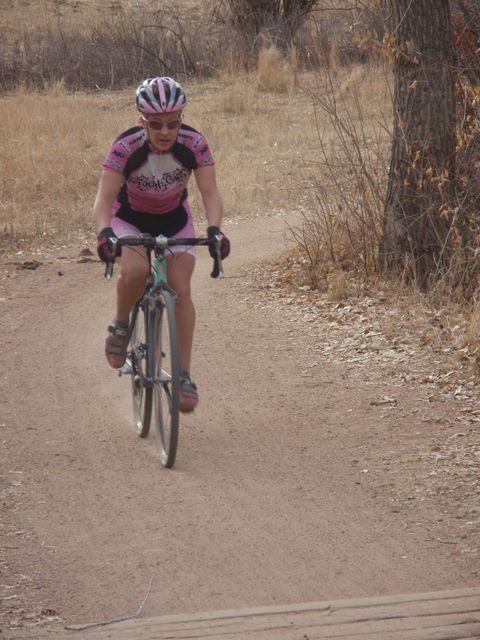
212, 233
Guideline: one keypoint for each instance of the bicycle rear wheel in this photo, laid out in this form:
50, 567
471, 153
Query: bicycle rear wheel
166, 376
142, 392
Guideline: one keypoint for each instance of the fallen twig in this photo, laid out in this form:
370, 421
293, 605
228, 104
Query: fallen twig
89, 625
446, 541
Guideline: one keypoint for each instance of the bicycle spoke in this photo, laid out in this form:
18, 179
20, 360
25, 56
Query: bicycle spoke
142, 394
166, 387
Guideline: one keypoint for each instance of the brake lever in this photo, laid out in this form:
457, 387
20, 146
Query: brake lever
217, 266
109, 266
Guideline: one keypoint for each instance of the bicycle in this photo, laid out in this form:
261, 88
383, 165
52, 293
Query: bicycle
152, 354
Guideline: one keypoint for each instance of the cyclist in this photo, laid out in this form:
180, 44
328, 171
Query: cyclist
142, 189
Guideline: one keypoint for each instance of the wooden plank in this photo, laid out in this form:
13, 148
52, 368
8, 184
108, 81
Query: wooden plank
451, 615
368, 622
448, 629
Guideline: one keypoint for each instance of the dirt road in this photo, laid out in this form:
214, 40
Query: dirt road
278, 496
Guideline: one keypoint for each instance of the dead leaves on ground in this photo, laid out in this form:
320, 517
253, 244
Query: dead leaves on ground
384, 335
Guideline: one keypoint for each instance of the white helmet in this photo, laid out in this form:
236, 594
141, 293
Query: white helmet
160, 95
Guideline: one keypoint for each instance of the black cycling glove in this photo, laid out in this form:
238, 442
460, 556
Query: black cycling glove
224, 245
105, 251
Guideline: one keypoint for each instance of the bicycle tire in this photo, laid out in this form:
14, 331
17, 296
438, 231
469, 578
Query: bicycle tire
142, 394
166, 376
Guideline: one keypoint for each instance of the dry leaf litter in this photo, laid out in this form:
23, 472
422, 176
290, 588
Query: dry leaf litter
379, 335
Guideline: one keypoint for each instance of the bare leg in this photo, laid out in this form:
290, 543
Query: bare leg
130, 287
180, 270
131, 282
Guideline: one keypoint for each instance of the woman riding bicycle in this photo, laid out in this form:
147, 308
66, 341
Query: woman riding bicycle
142, 189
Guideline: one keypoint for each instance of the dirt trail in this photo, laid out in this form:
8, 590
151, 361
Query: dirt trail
278, 496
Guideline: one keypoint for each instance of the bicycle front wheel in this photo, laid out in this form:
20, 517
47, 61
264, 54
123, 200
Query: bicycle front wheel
166, 379
142, 391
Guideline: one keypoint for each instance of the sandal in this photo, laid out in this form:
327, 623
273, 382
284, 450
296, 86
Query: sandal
116, 344
188, 393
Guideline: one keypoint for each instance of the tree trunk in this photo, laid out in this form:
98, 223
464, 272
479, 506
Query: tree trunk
415, 239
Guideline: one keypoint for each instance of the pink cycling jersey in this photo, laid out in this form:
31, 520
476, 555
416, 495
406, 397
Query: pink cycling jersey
154, 191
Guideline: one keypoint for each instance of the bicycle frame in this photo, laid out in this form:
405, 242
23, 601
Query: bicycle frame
151, 301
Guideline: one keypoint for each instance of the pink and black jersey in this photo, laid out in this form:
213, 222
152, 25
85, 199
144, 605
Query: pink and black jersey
155, 184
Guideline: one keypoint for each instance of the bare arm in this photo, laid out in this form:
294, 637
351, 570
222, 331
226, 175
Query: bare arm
205, 177
108, 189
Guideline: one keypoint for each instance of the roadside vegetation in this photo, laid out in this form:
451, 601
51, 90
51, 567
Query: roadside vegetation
68, 72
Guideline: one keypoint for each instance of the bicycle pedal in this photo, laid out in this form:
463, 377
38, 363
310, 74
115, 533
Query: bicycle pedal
125, 370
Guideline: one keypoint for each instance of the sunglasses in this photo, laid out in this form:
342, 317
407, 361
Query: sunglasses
157, 125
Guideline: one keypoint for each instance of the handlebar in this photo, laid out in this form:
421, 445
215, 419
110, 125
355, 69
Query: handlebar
162, 242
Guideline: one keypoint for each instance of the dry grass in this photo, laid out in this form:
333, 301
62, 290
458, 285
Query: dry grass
71, 15
53, 147
341, 219
22, 16
274, 72
54, 144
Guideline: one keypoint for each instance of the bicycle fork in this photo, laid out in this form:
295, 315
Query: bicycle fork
129, 366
